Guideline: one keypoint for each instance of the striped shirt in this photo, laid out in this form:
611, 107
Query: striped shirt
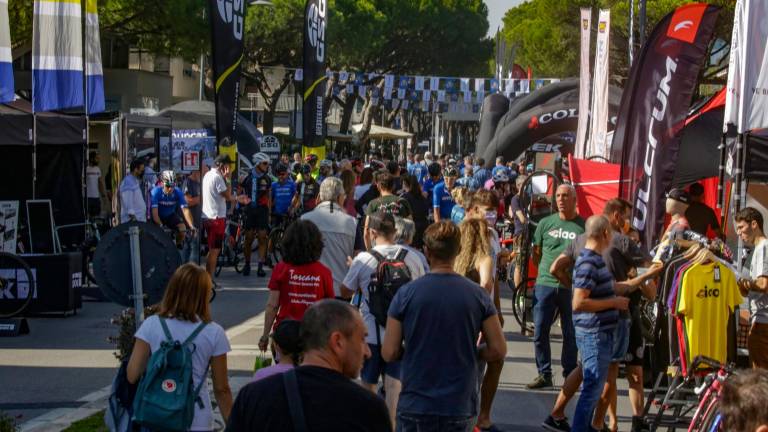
591, 273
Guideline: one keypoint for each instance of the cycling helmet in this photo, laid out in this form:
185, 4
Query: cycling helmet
260, 157
281, 169
168, 178
500, 177
306, 169
311, 158
451, 171
326, 163
434, 169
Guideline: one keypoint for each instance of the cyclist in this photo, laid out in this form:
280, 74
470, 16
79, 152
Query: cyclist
283, 192
307, 190
256, 196
326, 170
311, 159
166, 202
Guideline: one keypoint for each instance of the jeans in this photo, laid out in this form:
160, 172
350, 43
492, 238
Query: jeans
191, 250
432, 423
548, 300
596, 350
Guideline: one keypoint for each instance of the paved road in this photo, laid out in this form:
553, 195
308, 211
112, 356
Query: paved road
52, 371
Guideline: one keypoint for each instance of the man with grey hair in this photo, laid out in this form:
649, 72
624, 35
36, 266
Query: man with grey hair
553, 234
405, 229
338, 229
333, 334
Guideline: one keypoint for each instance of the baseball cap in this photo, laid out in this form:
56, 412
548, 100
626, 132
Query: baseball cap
679, 195
382, 222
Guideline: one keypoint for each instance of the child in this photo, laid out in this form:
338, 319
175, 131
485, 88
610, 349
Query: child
286, 344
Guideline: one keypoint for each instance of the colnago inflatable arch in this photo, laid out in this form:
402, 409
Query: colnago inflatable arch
548, 116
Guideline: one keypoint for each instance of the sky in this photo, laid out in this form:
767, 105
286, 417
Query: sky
496, 11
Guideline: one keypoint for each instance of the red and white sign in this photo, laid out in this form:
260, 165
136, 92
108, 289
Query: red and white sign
190, 160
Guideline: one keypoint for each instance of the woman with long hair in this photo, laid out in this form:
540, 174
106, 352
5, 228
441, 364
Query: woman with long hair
420, 207
185, 307
474, 261
348, 180
366, 178
299, 280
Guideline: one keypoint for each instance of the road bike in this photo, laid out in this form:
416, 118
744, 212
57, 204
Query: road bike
94, 228
275, 238
232, 247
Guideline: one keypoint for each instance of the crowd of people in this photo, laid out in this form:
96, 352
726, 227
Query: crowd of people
391, 274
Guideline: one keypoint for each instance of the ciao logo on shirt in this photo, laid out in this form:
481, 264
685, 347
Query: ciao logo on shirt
560, 234
707, 292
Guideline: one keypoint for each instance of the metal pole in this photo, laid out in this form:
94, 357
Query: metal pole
631, 44
202, 69
641, 23
138, 291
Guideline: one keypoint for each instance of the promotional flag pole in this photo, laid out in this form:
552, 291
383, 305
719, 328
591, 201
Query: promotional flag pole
84, 8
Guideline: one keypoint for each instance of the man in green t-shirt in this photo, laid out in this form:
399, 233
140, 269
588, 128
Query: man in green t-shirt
388, 203
553, 234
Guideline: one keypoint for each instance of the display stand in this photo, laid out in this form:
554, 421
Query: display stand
10, 327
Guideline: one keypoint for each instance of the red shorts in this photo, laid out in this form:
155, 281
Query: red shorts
215, 230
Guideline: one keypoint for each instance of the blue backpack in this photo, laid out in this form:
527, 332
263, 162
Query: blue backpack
166, 397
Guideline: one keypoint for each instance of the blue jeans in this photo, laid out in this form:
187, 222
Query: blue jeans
596, 350
431, 423
548, 300
191, 250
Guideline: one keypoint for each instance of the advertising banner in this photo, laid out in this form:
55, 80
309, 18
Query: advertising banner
315, 127
746, 103
227, 32
93, 72
7, 88
653, 109
584, 82
597, 144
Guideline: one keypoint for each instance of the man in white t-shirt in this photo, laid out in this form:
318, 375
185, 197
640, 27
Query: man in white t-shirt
216, 192
382, 229
749, 226
132, 204
94, 185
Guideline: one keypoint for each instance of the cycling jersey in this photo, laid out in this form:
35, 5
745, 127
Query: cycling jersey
442, 199
308, 195
256, 186
167, 205
419, 171
282, 195
428, 186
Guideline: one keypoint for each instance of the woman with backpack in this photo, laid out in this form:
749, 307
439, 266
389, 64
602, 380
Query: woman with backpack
299, 280
184, 317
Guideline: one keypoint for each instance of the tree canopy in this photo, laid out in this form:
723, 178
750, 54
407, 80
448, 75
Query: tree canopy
545, 33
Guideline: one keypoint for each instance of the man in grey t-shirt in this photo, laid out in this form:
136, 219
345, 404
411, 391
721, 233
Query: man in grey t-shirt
749, 226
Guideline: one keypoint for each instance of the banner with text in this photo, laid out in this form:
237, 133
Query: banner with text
315, 77
597, 144
584, 83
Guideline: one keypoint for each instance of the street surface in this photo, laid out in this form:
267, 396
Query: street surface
61, 371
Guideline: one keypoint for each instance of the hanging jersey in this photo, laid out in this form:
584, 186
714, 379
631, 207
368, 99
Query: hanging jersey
708, 296
282, 195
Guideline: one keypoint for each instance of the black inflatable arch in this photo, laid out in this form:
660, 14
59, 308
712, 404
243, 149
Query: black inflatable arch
556, 116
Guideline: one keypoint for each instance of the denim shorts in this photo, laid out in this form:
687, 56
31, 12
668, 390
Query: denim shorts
620, 340
431, 423
375, 366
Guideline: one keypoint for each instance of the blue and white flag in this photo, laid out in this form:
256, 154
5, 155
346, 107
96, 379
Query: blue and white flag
57, 55
6, 60
93, 71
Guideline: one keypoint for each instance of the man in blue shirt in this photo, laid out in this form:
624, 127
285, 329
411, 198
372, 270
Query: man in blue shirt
167, 200
447, 395
442, 201
500, 167
418, 169
433, 178
595, 315
283, 191
468, 180
482, 174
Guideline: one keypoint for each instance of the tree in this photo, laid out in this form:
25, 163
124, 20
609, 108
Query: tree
545, 33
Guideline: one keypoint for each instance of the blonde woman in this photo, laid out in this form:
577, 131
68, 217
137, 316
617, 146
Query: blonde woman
185, 305
474, 261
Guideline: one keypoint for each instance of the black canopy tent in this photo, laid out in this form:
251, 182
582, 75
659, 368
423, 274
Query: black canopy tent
44, 157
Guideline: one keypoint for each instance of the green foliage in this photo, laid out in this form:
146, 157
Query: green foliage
94, 423
545, 33
7, 423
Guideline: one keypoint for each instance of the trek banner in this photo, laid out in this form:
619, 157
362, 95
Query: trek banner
227, 33
584, 82
653, 109
597, 141
315, 77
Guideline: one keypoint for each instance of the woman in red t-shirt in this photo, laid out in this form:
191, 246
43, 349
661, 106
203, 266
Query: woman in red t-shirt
299, 280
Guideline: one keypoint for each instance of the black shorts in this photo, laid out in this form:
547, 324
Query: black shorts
636, 348
94, 207
172, 222
257, 218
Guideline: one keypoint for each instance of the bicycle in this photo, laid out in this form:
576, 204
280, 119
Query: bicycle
93, 230
707, 418
232, 247
15, 275
275, 237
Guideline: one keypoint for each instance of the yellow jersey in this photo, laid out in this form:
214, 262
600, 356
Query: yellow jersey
709, 297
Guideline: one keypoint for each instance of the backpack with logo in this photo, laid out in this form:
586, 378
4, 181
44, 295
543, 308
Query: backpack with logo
166, 396
390, 275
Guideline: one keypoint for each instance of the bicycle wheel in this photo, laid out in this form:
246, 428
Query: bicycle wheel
221, 261
17, 285
276, 245
522, 305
